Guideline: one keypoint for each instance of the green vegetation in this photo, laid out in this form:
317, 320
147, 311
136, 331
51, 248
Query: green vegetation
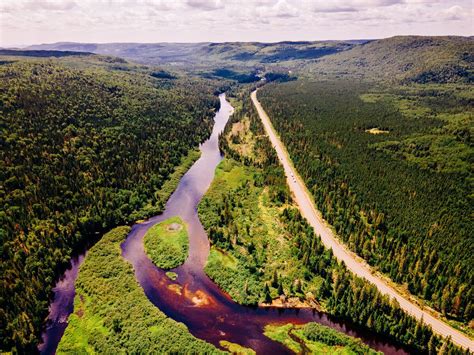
314, 338
86, 144
221, 55
112, 313
172, 275
419, 59
279, 255
241, 211
360, 180
281, 333
236, 348
90, 142
167, 243
173, 179
233, 75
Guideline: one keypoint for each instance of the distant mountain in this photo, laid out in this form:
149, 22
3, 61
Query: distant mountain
40, 53
404, 58
242, 53
401, 59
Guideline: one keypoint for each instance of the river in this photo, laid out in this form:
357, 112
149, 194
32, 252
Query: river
193, 299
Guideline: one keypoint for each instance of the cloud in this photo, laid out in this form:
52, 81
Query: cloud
64, 5
206, 5
336, 6
455, 12
283, 10
34, 21
331, 8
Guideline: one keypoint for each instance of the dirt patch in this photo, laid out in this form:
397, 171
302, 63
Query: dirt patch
238, 127
292, 302
174, 227
80, 311
199, 298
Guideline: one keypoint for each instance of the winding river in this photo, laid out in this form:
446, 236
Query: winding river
193, 299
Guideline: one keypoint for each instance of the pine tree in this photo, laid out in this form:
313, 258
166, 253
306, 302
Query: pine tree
268, 298
432, 345
275, 279
280, 289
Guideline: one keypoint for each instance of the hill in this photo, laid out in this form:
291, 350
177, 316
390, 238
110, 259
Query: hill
241, 53
419, 59
403, 58
40, 53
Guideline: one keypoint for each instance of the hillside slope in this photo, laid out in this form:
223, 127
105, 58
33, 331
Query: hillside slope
237, 53
403, 58
419, 59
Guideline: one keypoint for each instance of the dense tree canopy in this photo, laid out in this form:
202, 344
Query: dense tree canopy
320, 276
391, 171
83, 148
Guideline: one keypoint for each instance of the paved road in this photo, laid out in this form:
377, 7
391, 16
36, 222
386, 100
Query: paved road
328, 237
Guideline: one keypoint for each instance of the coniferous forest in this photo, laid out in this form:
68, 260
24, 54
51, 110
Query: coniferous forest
390, 169
84, 147
380, 132
239, 233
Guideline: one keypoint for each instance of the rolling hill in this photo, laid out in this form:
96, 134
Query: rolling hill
419, 59
242, 53
403, 58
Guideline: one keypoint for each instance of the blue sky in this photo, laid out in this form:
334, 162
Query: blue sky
29, 22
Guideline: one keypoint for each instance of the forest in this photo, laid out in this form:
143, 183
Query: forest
303, 269
391, 170
87, 144
113, 314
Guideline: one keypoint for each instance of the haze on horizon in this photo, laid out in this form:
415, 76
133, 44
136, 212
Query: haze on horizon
34, 22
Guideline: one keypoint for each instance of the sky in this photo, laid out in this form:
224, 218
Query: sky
25, 22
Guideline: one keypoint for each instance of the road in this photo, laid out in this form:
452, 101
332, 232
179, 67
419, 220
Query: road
354, 263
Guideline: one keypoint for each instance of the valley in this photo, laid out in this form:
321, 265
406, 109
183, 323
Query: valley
284, 197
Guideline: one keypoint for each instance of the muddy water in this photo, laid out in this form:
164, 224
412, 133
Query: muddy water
193, 298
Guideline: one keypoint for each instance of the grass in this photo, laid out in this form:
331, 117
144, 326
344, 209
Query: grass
232, 175
221, 258
316, 339
236, 269
280, 333
236, 348
172, 275
81, 327
112, 313
253, 244
167, 243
